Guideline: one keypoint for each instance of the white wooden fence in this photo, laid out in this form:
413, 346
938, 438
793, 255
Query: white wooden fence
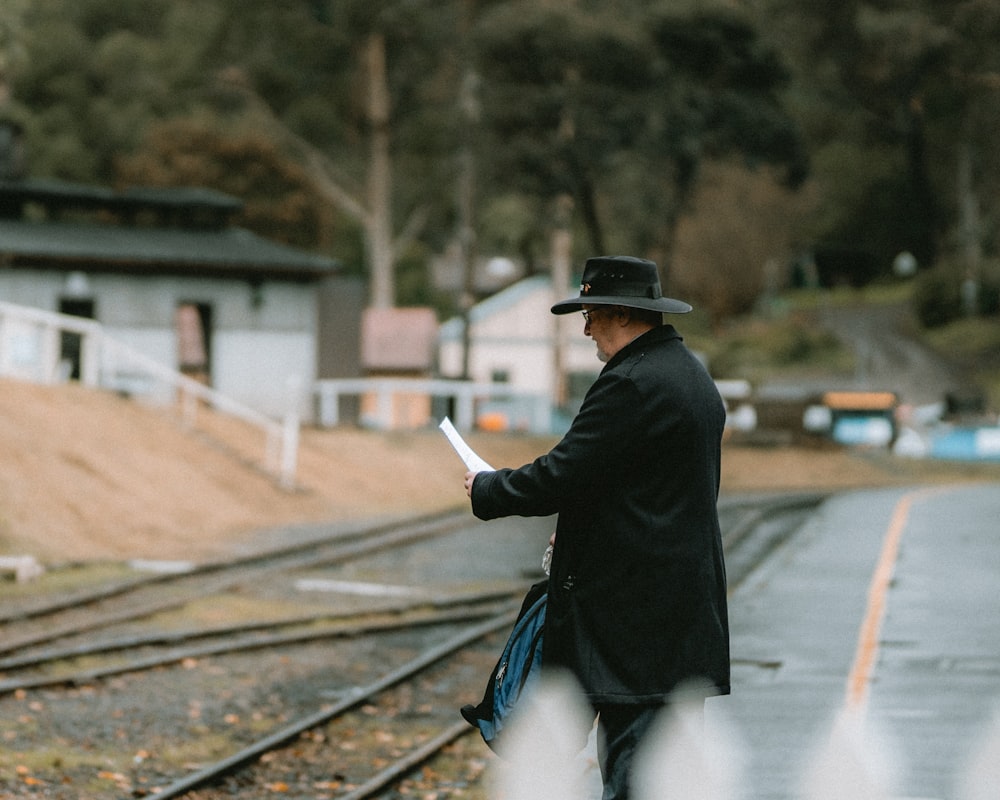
30, 350
698, 756
463, 395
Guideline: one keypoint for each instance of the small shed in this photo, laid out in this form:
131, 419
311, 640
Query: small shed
168, 273
398, 343
514, 339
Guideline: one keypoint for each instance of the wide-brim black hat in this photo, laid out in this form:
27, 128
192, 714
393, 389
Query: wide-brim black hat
621, 281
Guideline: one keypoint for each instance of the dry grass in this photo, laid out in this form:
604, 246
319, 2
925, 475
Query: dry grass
91, 476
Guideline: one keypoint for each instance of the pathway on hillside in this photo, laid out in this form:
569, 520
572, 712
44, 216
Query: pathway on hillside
887, 358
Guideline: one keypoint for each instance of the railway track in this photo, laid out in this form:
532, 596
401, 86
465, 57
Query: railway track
176, 647
61, 665
464, 638
30, 624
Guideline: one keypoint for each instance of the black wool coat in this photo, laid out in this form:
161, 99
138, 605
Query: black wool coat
637, 593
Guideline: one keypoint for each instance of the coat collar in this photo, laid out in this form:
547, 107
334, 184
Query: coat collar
655, 336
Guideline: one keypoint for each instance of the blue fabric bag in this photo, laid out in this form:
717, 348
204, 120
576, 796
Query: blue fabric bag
516, 670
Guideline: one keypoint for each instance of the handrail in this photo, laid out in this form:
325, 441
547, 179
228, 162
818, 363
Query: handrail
463, 393
101, 359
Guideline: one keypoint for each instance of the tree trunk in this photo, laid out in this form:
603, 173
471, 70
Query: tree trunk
562, 265
378, 227
968, 206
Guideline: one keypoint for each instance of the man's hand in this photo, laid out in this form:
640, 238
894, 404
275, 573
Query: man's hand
469, 478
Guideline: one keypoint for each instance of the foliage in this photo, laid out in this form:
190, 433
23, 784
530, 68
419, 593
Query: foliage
972, 339
973, 342
281, 202
618, 109
96, 74
888, 108
754, 349
883, 122
733, 244
938, 296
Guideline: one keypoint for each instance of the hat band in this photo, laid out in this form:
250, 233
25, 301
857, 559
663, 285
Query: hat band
620, 289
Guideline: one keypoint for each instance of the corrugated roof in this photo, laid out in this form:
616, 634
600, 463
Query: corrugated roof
55, 192
72, 245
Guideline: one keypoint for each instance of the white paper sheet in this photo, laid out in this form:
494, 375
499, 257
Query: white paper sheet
469, 456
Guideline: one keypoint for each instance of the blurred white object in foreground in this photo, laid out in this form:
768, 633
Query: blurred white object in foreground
685, 756
541, 743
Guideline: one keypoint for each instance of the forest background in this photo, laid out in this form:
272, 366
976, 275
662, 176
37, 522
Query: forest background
744, 145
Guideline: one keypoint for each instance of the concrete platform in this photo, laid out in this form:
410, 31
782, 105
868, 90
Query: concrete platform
888, 603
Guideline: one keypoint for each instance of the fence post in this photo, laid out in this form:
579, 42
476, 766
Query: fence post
384, 397
290, 434
49, 365
329, 406
189, 405
4, 343
90, 358
464, 403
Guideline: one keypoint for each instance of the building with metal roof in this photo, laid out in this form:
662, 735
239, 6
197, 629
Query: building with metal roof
167, 272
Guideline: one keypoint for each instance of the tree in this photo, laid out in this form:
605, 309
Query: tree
280, 198
608, 113
95, 73
963, 105
738, 234
898, 103
617, 109
385, 124
313, 76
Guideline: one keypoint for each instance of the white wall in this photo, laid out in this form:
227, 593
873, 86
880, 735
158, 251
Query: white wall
258, 368
255, 349
515, 331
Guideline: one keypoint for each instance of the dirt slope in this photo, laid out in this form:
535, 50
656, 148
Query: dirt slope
86, 475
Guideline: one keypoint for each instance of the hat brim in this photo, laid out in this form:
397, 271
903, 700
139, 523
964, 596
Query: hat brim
666, 305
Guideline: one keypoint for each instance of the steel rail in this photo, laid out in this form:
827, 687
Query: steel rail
407, 763
240, 644
71, 600
740, 535
288, 733
165, 638
241, 572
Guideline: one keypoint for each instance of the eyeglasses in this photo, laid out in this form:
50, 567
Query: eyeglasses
588, 314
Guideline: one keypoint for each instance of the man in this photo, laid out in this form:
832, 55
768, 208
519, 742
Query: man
637, 592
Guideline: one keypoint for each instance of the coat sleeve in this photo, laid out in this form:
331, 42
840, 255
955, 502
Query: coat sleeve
599, 438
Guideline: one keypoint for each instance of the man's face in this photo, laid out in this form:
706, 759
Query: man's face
597, 325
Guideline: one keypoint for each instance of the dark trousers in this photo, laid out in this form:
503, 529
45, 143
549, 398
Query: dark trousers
621, 728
